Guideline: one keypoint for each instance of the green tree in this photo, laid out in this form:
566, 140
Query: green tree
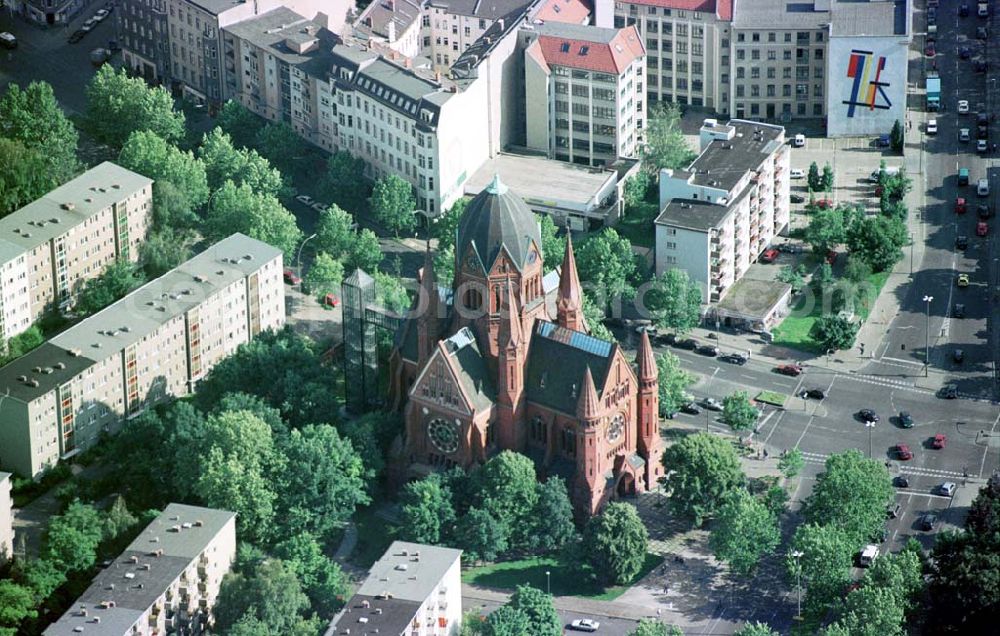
593, 314
392, 204
481, 536
16, 604
444, 266
72, 538
543, 620
22, 343
826, 180
366, 251
791, 463
794, 276
553, 246
372, 435
900, 572
505, 621
225, 162
653, 627
344, 182
879, 240
827, 554
636, 189
825, 275
286, 150
984, 514
24, 176
390, 293
964, 588
241, 124
427, 512
261, 216
869, 611
702, 470
33, 117
323, 481
744, 530
152, 156
41, 576
172, 208
322, 580
834, 332
325, 275
335, 232
118, 520
813, 178
852, 492
825, 230
270, 593
673, 382
857, 268
896, 136
606, 262
674, 301
755, 629
117, 280
507, 490
553, 516
445, 227
162, 251
665, 144
739, 412
118, 105
616, 541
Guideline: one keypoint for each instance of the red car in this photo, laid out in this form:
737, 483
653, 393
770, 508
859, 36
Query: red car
903, 452
831, 257
929, 50
331, 300
291, 278
879, 189
982, 229
789, 369
940, 441
769, 256
960, 205
823, 204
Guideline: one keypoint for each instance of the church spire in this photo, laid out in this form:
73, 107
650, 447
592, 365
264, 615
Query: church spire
510, 318
428, 321
569, 303
588, 404
645, 360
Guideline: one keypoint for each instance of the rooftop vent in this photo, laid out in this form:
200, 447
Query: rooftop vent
47, 370
68, 206
133, 559
89, 200
53, 220
248, 257
116, 186
401, 567
37, 369
60, 365
75, 353
22, 378
96, 345
33, 383
125, 329
198, 278
161, 308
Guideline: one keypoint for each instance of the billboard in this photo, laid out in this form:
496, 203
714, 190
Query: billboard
867, 85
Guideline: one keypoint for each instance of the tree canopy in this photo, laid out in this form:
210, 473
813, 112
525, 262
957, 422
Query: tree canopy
261, 216
24, 176
118, 105
852, 493
825, 561
674, 301
744, 530
344, 182
879, 240
117, 280
616, 542
665, 144
153, 156
702, 470
224, 161
325, 275
833, 331
673, 382
826, 230
606, 262
392, 204
32, 116
739, 412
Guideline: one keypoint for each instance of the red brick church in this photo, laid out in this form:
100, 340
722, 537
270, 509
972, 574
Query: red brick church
504, 360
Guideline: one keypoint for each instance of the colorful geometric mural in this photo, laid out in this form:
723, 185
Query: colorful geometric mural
867, 89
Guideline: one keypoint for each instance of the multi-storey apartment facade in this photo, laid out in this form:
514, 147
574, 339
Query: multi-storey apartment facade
51, 246
687, 48
584, 97
6, 519
152, 345
48, 12
142, 27
165, 582
720, 213
412, 590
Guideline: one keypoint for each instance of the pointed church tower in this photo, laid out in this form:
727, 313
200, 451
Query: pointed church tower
649, 445
512, 350
428, 322
569, 303
588, 467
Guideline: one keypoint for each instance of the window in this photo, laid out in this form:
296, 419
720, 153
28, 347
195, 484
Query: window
754, 90
739, 90
682, 30
802, 108
682, 47
786, 90
754, 73
818, 72
771, 37
802, 90
786, 55
740, 72
772, 55
697, 48
755, 37
771, 90
817, 110
740, 54
740, 37
771, 72
755, 54
788, 37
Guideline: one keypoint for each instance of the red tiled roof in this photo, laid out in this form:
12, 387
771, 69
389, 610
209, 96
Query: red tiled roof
568, 11
612, 57
722, 8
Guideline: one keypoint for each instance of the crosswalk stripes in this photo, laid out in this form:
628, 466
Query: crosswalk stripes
918, 471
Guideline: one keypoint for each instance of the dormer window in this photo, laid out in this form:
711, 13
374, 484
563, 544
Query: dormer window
564, 47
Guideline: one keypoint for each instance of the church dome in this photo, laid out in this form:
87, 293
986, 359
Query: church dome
497, 218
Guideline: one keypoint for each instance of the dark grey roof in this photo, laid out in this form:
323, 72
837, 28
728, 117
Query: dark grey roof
47, 357
723, 163
583, 32
497, 218
216, 7
472, 370
380, 13
278, 28
693, 214
557, 360
466, 67
367, 614
488, 9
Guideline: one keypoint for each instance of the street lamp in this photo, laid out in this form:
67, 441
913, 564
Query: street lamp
548, 583
298, 256
911, 254
927, 336
871, 427
797, 554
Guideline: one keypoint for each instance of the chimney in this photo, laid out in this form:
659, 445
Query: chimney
500, 22
437, 76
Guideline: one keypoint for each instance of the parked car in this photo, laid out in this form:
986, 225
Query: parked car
949, 391
982, 229
799, 140
964, 52
305, 199
884, 140
962, 242
585, 625
963, 134
900, 481
769, 256
958, 355
983, 211
790, 248
963, 280
928, 522
708, 350
789, 369
960, 206
947, 488
963, 106
797, 173
831, 257
688, 343
979, 65
690, 408
734, 358
981, 146
711, 404
958, 311
331, 300
8, 40
89, 24
963, 176
796, 198
939, 441
902, 452
983, 187
292, 278
319, 207
869, 416
101, 14
816, 394
76, 36
932, 127
930, 50
963, 10
905, 419
982, 33
823, 204
666, 339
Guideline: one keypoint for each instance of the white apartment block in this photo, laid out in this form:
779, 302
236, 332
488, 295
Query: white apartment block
152, 345
51, 246
584, 98
277, 65
6, 518
165, 582
687, 48
412, 590
720, 213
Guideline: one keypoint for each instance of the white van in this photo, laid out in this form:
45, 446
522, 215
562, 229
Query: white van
868, 555
983, 187
890, 171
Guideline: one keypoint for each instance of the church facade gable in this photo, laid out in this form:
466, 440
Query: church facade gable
438, 386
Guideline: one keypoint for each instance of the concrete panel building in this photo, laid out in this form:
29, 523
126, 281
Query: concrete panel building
6, 518
152, 345
51, 246
719, 214
584, 97
165, 582
412, 590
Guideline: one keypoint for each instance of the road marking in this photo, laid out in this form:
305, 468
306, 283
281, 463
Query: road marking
986, 450
902, 361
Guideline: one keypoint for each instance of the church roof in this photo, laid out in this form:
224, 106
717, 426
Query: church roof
471, 369
497, 218
557, 361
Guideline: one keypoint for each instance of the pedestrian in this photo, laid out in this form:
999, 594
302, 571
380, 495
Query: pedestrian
765, 453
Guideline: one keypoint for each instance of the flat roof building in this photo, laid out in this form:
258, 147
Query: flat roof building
412, 590
152, 345
6, 518
165, 582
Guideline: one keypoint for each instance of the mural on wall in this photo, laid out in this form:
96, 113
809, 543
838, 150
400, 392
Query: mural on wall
868, 89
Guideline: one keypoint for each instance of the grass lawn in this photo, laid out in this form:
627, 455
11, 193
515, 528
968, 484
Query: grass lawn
565, 581
770, 397
637, 225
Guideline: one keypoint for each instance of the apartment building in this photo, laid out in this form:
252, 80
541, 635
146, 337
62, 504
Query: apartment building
51, 246
154, 344
720, 213
394, 24
6, 518
584, 97
412, 590
687, 48
165, 582
277, 65
47, 12
143, 33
